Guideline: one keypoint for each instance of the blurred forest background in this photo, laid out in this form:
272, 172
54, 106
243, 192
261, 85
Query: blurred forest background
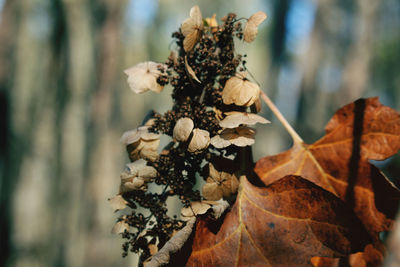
65, 102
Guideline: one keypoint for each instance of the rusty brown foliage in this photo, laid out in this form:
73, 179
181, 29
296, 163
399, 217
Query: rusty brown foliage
338, 213
283, 224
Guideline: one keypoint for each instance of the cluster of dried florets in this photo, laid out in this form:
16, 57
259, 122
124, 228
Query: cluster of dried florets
214, 104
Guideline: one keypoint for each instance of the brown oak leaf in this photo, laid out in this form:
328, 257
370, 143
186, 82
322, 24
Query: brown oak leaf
284, 224
339, 162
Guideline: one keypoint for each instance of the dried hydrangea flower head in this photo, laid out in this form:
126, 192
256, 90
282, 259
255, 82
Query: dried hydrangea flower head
213, 102
143, 77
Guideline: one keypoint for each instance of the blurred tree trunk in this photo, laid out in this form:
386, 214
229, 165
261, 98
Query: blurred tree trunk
56, 98
7, 27
356, 72
277, 45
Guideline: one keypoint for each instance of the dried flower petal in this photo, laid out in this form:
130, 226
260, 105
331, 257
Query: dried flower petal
240, 136
191, 28
200, 140
118, 203
136, 175
136, 184
219, 142
120, 227
235, 119
196, 208
141, 132
141, 143
219, 184
212, 22
182, 129
191, 71
143, 77
250, 30
239, 91
211, 191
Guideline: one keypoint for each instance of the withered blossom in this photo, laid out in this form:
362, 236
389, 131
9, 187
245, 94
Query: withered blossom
141, 143
200, 140
195, 208
235, 119
219, 184
240, 91
240, 136
251, 28
120, 227
118, 203
212, 22
143, 77
191, 28
136, 176
182, 130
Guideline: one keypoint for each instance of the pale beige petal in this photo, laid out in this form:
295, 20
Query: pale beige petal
257, 18
245, 136
231, 89
214, 174
196, 208
240, 92
132, 169
146, 135
200, 140
191, 28
190, 40
191, 71
212, 22
248, 94
195, 14
235, 119
149, 154
130, 137
211, 191
147, 173
182, 129
188, 26
219, 142
143, 149
136, 184
143, 77
118, 203
251, 28
120, 227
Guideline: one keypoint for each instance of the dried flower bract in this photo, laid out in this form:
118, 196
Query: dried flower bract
143, 77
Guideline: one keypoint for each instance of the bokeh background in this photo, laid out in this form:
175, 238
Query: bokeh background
65, 102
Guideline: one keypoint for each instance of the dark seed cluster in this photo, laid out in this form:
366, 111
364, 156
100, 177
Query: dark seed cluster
213, 61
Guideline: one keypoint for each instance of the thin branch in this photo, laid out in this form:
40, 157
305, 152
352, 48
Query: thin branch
296, 138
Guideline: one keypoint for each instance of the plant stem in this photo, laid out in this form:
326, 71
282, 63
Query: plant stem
296, 138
